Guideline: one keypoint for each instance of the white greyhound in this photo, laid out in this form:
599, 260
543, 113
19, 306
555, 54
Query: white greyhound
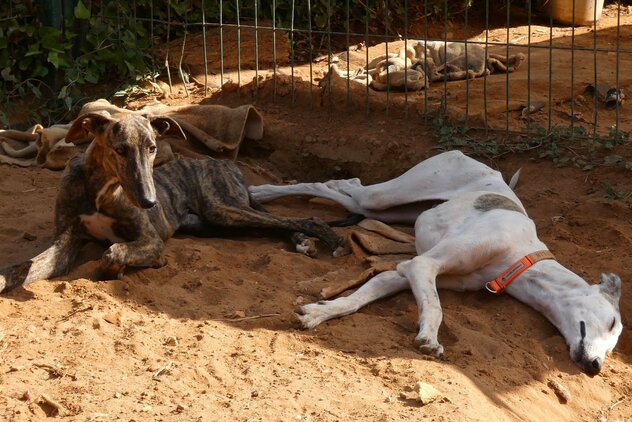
479, 237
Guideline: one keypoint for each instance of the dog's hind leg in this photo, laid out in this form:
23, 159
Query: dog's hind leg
432, 179
234, 216
54, 261
382, 285
335, 190
302, 243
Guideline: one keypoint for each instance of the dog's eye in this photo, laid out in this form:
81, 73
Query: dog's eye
121, 150
152, 149
614, 322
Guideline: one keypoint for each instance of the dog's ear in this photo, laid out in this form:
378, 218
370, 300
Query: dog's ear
610, 287
87, 124
167, 126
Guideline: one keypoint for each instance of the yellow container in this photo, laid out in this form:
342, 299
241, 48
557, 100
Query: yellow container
586, 11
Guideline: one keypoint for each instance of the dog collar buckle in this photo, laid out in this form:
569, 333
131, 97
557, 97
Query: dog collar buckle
500, 283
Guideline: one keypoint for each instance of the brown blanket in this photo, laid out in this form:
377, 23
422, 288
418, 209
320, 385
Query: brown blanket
211, 130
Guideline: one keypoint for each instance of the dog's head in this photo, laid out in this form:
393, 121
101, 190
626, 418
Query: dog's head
126, 146
594, 325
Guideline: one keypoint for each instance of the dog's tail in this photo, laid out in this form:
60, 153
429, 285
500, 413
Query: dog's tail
514, 179
349, 220
504, 63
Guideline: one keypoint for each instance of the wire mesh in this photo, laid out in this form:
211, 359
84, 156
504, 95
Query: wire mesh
298, 46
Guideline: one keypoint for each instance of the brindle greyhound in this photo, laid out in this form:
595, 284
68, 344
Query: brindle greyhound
479, 237
108, 193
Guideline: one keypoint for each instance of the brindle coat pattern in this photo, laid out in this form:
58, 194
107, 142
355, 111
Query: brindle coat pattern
113, 193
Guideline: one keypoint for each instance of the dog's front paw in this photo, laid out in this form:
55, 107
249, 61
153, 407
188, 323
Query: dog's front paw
312, 314
111, 267
307, 247
110, 272
3, 282
429, 347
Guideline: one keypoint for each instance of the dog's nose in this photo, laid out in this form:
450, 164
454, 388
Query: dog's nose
147, 203
591, 367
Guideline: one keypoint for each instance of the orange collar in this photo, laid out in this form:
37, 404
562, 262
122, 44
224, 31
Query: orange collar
498, 285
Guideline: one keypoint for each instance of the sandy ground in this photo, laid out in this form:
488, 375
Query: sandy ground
212, 336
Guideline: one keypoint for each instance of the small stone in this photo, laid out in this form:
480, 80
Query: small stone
28, 236
147, 408
254, 394
171, 341
96, 324
560, 390
181, 407
113, 318
117, 395
26, 396
239, 314
62, 287
427, 393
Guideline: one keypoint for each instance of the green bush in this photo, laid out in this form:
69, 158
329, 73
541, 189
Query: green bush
112, 41
53, 65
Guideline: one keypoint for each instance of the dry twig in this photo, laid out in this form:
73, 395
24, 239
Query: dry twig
56, 371
163, 370
246, 318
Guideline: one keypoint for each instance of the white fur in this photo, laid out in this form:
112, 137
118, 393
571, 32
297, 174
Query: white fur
461, 247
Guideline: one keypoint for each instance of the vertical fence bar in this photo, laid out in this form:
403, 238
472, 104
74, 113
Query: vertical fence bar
348, 29
168, 48
184, 42
486, 123
311, 74
552, 5
204, 48
444, 99
405, 67
274, 53
595, 101
221, 43
616, 72
467, 67
426, 62
529, 67
292, 55
573, 74
238, 49
256, 50
151, 35
366, 49
330, 100
388, 74
507, 73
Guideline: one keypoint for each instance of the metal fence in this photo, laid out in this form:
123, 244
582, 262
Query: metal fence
573, 78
